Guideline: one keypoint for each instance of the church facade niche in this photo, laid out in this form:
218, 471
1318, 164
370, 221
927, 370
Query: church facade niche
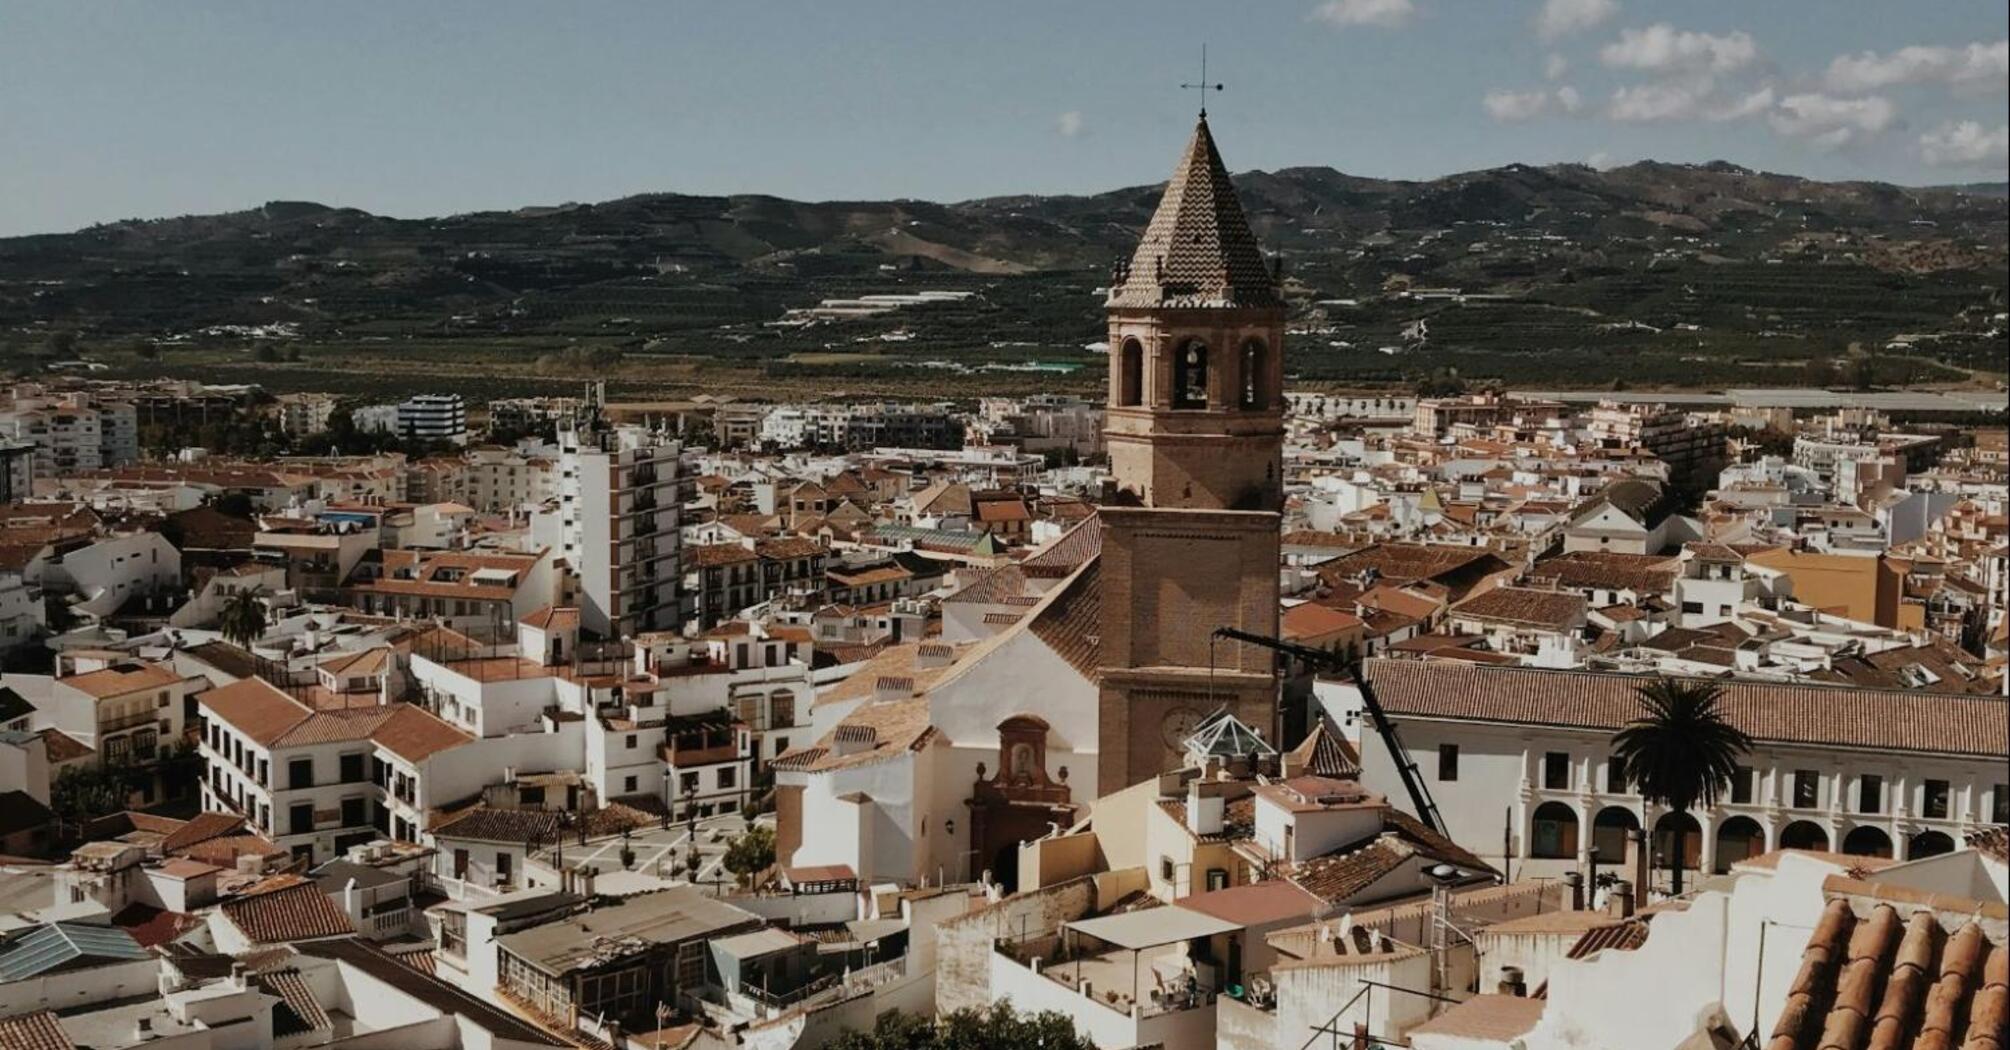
1017, 802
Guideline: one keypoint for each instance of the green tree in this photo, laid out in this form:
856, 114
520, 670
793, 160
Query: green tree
997, 1028
181, 768
1680, 752
751, 853
243, 616
81, 794
63, 342
265, 354
1863, 371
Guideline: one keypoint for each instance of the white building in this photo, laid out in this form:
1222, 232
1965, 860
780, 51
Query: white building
71, 431
433, 417
1527, 755
319, 782
616, 523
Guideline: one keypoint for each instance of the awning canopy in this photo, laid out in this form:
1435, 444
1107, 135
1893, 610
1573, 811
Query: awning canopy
1152, 927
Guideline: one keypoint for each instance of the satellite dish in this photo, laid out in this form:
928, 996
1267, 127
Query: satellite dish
1444, 871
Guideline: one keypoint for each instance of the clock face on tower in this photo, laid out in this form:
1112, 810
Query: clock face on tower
1180, 723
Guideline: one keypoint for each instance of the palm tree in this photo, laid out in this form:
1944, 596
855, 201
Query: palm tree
1680, 752
243, 616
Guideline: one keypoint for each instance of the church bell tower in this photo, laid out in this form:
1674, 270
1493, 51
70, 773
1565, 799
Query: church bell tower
1195, 429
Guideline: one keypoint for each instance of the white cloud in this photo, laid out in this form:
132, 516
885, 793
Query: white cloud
1069, 124
1694, 97
1555, 67
1976, 67
1831, 122
1384, 14
1750, 105
1511, 106
1564, 17
1663, 48
1965, 144
1681, 99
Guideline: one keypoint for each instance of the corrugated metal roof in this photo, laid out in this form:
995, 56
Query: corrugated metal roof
47, 947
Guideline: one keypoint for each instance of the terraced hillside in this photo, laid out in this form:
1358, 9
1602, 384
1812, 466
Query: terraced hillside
1650, 274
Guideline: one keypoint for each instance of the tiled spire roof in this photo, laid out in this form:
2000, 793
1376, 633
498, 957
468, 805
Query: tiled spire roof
1198, 250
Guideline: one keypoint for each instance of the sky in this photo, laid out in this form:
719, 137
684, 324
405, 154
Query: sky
112, 110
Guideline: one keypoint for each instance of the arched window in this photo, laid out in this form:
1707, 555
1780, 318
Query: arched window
1866, 840
1255, 377
1190, 375
1738, 838
1131, 373
1554, 834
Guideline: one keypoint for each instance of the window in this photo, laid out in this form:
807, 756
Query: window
1870, 793
1556, 770
1693, 608
355, 812
1999, 804
1190, 375
1615, 774
1217, 879
688, 783
1131, 374
628, 785
631, 741
352, 769
1166, 868
1448, 762
300, 773
1807, 789
300, 819
1741, 785
728, 777
1935, 804
1253, 379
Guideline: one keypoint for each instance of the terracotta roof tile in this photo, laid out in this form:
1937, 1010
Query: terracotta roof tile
1556, 610
1070, 552
1805, 714
1071, 622
488, 824
295, 913
1883, 982
34, 1031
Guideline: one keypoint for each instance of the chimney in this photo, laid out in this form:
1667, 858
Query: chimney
1512, 982
1575, 880
1205, 808
349, 898
932, 655
238, 974
893, 687
1620, 900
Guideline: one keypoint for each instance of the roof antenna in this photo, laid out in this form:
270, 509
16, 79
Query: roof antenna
1203, 87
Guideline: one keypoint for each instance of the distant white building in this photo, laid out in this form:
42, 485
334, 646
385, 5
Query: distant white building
71, 432
433, 417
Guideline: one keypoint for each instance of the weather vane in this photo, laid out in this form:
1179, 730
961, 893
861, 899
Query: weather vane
1203, 87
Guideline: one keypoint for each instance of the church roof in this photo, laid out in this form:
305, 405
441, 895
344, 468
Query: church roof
1198, 250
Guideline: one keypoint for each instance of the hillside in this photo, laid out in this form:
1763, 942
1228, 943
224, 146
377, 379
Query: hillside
1654, 273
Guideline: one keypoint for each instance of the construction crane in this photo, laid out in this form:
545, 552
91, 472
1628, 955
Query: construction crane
1320, 659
